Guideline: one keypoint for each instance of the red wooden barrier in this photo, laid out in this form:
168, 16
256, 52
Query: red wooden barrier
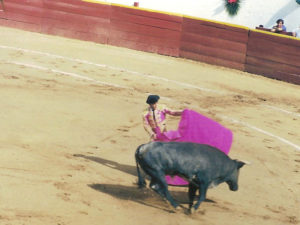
76, 19
36, 3
24, 15
221, 44
211, 60
273, 56
79, 8
213, 29
214, 43
144, 30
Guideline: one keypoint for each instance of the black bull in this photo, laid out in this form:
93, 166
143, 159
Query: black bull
201, 165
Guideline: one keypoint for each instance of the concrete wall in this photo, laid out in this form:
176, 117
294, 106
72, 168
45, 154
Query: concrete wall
232, 46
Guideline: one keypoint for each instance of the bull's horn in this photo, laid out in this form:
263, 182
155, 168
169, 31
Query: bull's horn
246, 162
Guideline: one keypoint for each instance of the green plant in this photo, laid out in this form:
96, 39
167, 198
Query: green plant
233, 6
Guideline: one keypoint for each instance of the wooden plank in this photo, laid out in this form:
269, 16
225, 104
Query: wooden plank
212, 60
36, 3
270, 73
273, 55
23, 18
221, 26
91, 26
21, 25
266, 72
291, 78
147, 13
72, 18
75, 34
260, 62
283, 39
213, 51
214, 42
257, 44
17, 8
146, 39
80, 3
90, 10
143, 47
216, 32
144, 20
232, 27
2, 15
145, 30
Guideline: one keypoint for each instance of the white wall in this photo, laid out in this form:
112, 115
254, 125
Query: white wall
251, 14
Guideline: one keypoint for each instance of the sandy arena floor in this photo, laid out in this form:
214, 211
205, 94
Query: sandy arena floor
71, 120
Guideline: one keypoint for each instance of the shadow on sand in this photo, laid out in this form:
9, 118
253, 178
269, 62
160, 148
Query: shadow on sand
143, 196
111, 164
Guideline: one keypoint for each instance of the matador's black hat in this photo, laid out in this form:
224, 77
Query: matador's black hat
152, 99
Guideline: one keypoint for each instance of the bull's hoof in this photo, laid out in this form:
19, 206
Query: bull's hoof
192, 210
154, 187
141, 184
177, 209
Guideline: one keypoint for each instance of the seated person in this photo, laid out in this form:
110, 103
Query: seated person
296, 32
279, 27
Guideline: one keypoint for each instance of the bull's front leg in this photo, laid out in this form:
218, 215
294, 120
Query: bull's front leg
202, 189
192, 192
158, 184
154, 185
166, 193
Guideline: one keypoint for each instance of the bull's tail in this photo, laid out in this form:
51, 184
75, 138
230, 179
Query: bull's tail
141, 181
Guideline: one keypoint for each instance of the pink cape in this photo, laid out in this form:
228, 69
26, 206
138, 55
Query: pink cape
196, 128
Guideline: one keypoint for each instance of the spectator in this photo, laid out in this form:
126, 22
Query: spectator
279, 27
296, 32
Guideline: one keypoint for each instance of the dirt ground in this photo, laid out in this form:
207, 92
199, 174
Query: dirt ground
71, 121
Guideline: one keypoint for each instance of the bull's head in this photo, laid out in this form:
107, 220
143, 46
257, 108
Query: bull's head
234, 177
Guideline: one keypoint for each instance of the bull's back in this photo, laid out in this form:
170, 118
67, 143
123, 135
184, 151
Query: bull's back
187, 156
188, 149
